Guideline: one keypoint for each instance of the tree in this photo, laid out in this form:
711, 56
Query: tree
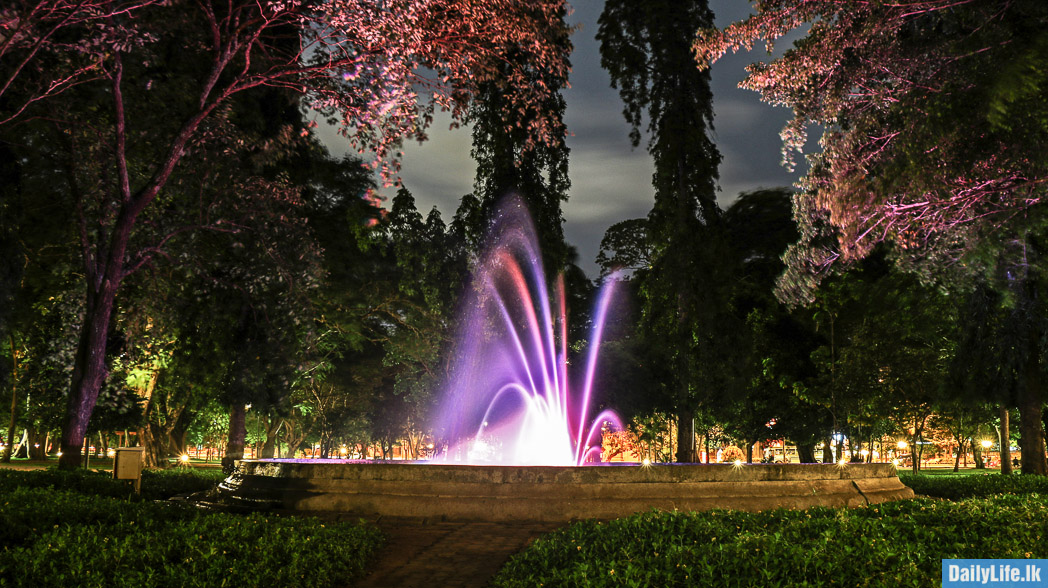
506, 163
772, 356
361, 61
43, 52
645, 46
918, 146
926, 138
626, 247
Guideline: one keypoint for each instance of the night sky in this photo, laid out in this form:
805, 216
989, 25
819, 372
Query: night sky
610, 181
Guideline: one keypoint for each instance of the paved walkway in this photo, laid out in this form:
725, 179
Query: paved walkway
425, 554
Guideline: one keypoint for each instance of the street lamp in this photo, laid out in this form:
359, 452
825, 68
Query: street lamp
902, 445
986, 443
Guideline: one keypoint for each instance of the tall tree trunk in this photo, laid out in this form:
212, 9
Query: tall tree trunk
977, 452
237, 436
1006, 441
957, 459
155, 449
686, 436
14, 402
35, 444
269, 448
827, 451
179, 430
89, 371
806, 452
1031, 411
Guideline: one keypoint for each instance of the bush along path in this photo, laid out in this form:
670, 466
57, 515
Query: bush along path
52, 535
889, 545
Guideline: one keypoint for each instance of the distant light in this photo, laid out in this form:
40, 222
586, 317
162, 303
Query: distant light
184, 458
111, 453
895, 462
864, 452
36, 445
986, 443
430, 446
902, 445
59, 454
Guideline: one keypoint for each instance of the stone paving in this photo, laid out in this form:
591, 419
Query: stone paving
434, 554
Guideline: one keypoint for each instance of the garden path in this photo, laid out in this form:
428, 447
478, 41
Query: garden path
420, 553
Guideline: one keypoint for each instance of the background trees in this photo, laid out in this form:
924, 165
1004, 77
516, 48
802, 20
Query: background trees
332, 58
646, 49
927, 145
164, 151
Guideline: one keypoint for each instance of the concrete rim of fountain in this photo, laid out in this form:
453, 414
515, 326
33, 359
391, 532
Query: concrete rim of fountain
500, 493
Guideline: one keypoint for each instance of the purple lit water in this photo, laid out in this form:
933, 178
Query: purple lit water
509, 400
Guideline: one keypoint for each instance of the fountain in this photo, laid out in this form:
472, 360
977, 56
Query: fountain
510, 400
521, 441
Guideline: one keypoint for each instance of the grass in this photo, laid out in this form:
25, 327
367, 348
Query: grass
83, 529
887, 545
156, 484
974, 486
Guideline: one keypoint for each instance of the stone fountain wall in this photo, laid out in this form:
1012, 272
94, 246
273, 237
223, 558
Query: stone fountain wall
552, 494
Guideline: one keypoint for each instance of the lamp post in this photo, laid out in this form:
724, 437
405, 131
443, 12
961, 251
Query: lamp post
986, 444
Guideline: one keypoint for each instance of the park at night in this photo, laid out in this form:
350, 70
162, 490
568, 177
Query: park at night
520, 293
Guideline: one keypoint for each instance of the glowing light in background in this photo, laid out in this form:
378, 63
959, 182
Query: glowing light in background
510, 399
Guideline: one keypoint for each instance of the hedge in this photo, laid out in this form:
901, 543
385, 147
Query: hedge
890, 545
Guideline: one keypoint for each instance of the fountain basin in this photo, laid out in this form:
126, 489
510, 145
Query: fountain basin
550, 494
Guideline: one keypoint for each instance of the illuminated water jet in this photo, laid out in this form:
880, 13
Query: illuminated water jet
510, 399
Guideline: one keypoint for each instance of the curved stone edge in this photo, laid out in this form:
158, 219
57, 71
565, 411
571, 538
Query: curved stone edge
550, 495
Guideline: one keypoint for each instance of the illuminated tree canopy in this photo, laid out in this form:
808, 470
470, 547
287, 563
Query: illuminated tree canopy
933, 119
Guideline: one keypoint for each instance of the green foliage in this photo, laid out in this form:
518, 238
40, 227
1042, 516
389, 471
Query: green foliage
894, 544
156, 484
975, 486
62, 538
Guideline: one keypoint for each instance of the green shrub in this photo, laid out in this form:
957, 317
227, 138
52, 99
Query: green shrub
895, 544
156, 484
59, 538
974, 485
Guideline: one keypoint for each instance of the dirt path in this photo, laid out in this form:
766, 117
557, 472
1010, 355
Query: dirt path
423, 554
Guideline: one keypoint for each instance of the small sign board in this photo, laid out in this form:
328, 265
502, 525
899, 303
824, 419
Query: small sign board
128, 465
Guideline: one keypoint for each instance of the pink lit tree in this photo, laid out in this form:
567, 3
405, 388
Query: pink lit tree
379, 69
934, 120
